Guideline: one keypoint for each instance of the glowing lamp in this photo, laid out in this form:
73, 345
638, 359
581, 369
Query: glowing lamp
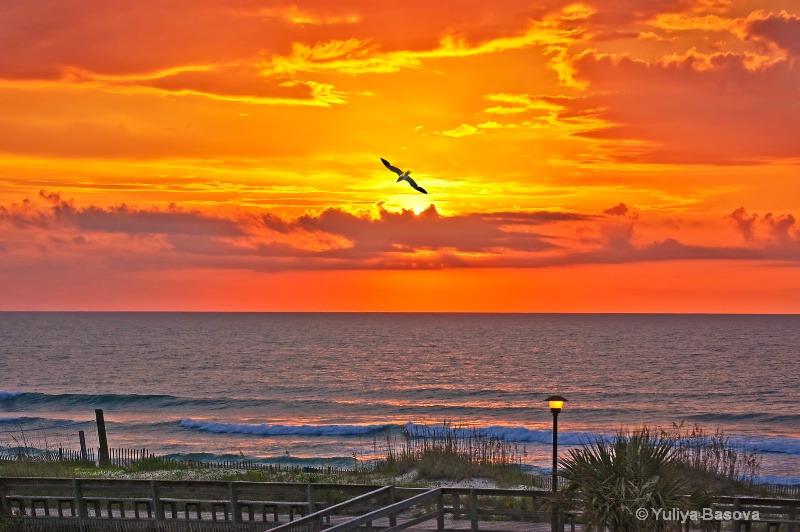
556, 403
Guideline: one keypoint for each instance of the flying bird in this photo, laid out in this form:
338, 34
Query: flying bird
403, 176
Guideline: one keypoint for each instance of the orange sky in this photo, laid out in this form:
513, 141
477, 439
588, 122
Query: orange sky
597, 156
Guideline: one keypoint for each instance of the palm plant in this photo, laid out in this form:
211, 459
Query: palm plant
613, 479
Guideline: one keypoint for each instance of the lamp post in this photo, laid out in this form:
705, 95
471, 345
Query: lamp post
556, 404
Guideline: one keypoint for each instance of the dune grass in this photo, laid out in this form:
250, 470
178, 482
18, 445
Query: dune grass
449, 452
711, 461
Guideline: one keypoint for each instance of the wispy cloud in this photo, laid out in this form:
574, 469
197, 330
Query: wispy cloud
464, 130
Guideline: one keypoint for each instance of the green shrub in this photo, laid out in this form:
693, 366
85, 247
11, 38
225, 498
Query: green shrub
613, 479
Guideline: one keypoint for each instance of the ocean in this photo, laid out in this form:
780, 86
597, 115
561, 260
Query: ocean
324, 388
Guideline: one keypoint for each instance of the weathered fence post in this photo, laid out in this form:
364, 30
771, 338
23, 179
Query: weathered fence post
440, 509
312, 499
157, 506
392, 500
80, 505
473, 510
82, 438
4, 509
737, 505
236, 510
101, 436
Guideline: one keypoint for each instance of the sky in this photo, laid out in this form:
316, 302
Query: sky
593, 156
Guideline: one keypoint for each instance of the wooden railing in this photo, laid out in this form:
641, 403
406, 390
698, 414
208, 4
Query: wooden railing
64, 503
315, 521
392, 510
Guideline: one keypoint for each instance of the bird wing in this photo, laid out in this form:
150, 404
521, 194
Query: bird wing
415, 186
390, 167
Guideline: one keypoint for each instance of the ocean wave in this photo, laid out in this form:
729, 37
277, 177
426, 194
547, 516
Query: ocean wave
77, 399
8, 395
511, 434
763, 417
283, 430
23, 400
68, 401
764, 444
760, 444
38, 426
768, 444
21, 419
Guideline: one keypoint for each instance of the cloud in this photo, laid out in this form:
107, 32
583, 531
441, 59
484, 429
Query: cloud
257, 54
296, 15
335, 239
241, 83
781, 228
769, 230
744, 222
782, 29
464, 130
688, 109
520, 103
617, 210
560, 116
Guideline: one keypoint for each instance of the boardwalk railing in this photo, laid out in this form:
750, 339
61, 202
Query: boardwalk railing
122, 505
128, 504
316, 521
58, 503
392, 510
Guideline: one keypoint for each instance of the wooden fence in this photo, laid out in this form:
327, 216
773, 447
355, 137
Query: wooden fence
53, 503
94, 504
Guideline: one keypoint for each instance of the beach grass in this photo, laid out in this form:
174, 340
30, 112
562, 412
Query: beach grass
712, 461
448, 452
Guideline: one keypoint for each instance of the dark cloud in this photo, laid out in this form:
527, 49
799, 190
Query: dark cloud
780, 227
52, 197
406, 231
776, 230
617, 210
782, 29
744, 222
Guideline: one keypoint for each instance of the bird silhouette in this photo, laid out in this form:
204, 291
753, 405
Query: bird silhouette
403, 176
